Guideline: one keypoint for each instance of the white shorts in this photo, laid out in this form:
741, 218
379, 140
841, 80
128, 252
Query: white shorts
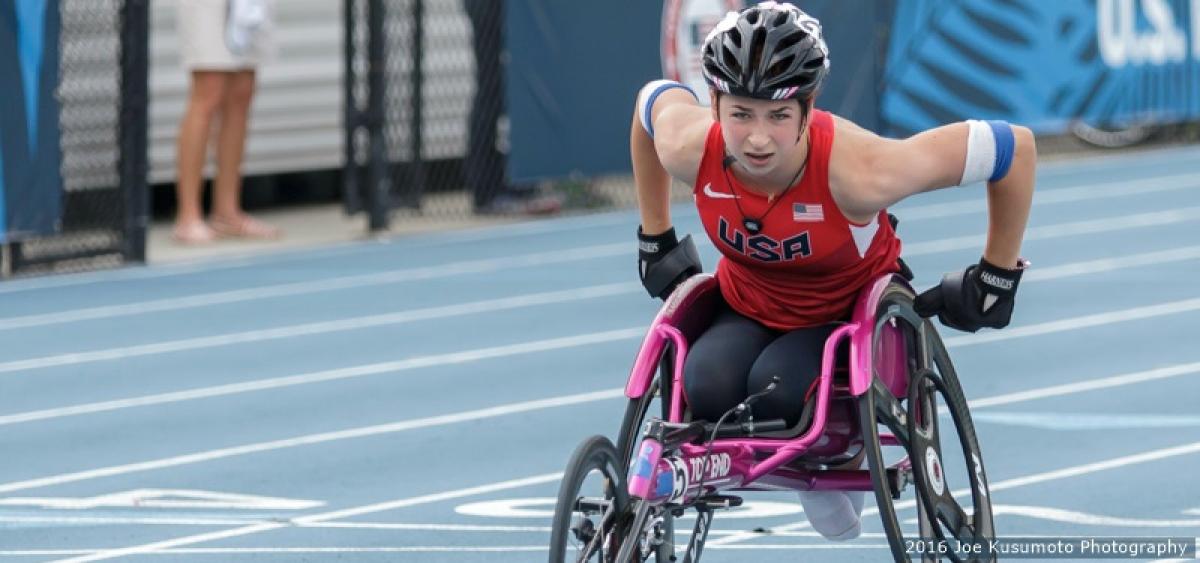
201, 30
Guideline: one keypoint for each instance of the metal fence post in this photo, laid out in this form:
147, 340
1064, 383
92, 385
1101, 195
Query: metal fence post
133, 125
378, 187
351, 182
411, 194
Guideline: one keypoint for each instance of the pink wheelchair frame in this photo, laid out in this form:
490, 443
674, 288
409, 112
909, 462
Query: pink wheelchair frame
736, 463
897, 373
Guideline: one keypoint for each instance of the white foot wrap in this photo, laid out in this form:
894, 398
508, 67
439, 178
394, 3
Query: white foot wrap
836, 515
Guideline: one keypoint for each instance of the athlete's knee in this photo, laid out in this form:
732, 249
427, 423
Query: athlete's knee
712, 387
787, 400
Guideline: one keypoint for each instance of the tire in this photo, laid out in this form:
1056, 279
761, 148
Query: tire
913, 420
592, 503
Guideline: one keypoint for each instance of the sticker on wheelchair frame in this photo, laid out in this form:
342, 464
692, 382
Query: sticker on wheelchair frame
643, 468
718, 465
978, 465
679, 479
933, 471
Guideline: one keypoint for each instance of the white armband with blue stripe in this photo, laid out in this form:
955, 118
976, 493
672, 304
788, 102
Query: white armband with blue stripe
990, 149
650, 93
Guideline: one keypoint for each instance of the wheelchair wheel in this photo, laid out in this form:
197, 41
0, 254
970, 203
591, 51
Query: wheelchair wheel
656, 401
935, 455
592, 505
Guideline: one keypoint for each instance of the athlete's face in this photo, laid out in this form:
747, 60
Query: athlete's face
761, 134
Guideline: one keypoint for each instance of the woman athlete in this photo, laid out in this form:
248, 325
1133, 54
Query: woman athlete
796, 199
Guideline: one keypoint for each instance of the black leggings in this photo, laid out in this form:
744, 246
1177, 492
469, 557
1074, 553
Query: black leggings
737, 356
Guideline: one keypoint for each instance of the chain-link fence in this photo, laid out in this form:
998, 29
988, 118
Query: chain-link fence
451, 161
102, 92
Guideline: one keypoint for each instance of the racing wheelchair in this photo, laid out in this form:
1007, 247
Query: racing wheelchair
887, 391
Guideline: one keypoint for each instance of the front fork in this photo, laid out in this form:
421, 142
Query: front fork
699, 534
659, 480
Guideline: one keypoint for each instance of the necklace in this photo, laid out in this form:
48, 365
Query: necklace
755, 224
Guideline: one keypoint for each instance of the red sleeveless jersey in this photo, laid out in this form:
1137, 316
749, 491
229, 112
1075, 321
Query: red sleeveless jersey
808, 263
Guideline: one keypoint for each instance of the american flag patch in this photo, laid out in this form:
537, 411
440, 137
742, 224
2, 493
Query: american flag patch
807, 212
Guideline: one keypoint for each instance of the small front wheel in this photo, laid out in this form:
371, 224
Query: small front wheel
592, 500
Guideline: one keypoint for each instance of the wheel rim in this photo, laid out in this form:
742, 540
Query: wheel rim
949, 517
914, 421
591, 505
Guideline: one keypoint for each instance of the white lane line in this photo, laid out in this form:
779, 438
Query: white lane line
414, 549
309, 329
1100, 265
287, 550
728, 542
1047, 232
318, 438
425, 527
1086, 518
1111, 264
1047, 476
1056, 196
556, 344
198, 538
1089, 385
460, 417
66, 521
1057, 172
610, 336
307, 287
197, 266
1082, 421
419, 362
916, 213
324, 327
317, 518
1153, 455
1100, 319
426, 499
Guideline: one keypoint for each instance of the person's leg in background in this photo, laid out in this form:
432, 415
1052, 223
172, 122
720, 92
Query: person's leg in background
227, 216
207, 93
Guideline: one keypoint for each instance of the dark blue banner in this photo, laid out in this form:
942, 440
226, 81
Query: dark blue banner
575, 68
897, 68
30, 154
1042, 63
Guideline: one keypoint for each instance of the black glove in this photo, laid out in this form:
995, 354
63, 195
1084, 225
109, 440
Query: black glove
664, 262
981, 296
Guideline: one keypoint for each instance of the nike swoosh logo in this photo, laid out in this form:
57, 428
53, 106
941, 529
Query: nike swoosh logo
708, 191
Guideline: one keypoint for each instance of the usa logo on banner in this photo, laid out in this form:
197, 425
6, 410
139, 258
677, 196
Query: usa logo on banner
685, 24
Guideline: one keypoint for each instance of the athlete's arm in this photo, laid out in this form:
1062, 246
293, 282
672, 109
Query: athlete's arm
663, 142
680, 125
872, 173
